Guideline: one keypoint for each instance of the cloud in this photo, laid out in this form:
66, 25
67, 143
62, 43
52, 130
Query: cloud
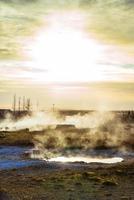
14, 70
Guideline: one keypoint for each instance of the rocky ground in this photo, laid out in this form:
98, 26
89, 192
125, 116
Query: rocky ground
53, 181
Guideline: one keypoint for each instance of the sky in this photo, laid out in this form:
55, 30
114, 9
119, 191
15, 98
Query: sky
67, 59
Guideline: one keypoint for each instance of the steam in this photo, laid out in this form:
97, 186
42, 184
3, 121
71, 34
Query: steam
38, 121
97, 130
93, 120
61, 135
43, 120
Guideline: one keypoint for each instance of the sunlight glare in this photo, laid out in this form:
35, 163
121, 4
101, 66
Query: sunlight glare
86, 159
66, 53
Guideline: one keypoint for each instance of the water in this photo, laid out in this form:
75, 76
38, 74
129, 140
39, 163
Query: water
13, 157
108, 156
87, 159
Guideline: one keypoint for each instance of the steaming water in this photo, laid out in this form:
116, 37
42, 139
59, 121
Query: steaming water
87, 159
12, 157
90, 156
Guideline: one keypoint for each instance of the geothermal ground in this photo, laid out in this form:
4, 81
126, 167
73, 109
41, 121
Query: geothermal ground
67, 156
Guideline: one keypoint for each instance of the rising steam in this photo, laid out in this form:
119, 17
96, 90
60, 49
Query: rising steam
60, 134
43, 120
96, 130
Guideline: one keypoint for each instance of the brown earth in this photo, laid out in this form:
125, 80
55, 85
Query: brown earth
69, 182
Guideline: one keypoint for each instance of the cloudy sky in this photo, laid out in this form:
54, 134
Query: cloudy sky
67, 60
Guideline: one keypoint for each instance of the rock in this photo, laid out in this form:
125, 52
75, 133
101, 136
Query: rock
125, 198
109, 183
4, 196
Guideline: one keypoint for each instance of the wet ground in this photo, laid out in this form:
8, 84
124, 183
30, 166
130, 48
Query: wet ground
13, 157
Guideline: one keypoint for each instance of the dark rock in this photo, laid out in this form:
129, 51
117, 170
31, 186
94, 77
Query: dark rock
4, 196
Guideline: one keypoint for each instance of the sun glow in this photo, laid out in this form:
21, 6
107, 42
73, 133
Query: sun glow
65, 52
